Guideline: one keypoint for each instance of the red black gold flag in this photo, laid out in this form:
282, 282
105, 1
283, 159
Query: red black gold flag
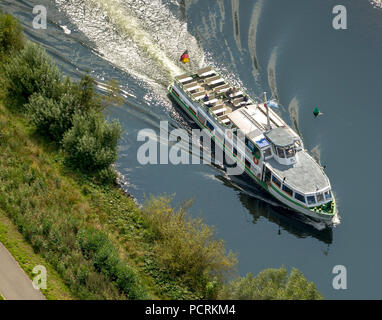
184, 57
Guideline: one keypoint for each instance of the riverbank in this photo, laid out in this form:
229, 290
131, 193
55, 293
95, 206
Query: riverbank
83, 226
37, 186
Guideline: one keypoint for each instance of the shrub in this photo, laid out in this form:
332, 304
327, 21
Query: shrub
91, 144
186, 247
271, 284
97, 247
51, 118
106, 176
27, 72
11, 36
128, 282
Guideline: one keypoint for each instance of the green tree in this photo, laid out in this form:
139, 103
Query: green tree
51, 118
27, 72
271, 284
187, 248
11, 36
91, 144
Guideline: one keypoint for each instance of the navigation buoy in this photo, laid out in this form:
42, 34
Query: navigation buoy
316, 112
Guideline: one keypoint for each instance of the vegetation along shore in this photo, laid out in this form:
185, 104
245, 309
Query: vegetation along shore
60, 205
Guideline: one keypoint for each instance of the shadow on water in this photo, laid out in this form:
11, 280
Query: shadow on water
260, 204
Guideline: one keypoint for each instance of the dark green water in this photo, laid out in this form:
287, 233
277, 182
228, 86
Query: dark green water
287, 48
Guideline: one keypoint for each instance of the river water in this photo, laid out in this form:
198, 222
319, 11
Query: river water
287, 48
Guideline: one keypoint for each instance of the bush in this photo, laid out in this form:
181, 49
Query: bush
106, 176
96, 247
187, 248
51, 118
91, 144
11, 36
27, 72
271, 284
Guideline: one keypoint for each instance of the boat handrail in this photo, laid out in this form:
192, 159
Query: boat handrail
248, 116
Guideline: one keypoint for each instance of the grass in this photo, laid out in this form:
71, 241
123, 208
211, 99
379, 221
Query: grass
27, 259
48, 203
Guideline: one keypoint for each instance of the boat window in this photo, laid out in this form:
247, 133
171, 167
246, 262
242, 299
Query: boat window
299, 197
276, 181
289, 152
267, 152
320, 197
328, 195
311, 199
249, 144
210, 126
287, 190
247, 163
280, 152
234, 151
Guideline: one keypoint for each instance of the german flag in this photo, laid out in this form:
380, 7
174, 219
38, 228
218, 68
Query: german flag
184, 57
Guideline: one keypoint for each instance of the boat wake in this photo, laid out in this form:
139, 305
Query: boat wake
376, 3
134, 35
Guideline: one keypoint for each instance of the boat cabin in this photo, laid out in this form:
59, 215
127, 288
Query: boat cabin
284, 144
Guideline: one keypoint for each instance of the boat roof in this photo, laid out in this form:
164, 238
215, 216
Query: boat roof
305, 175
281, 136
252, 121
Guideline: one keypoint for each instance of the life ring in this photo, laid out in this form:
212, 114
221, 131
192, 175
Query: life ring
255, 160
229, 134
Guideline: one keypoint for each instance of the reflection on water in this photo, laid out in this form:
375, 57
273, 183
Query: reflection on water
260, 204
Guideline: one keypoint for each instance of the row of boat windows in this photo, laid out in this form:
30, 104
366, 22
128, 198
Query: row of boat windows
290, 152
308, 199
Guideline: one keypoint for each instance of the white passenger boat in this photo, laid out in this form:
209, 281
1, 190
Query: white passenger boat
272, 154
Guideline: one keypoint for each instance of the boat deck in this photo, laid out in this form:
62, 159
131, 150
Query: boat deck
210, 88
305, 175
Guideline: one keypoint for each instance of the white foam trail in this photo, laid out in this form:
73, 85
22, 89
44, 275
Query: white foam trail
131, 27
134, 35
376, 3
253, 35
66, 29
236, 23
294, 109
316, 153
272, 72
222, 13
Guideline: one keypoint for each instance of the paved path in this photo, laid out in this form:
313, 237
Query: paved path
14, 283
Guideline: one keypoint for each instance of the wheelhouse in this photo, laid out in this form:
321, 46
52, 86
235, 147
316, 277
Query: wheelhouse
284, 145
